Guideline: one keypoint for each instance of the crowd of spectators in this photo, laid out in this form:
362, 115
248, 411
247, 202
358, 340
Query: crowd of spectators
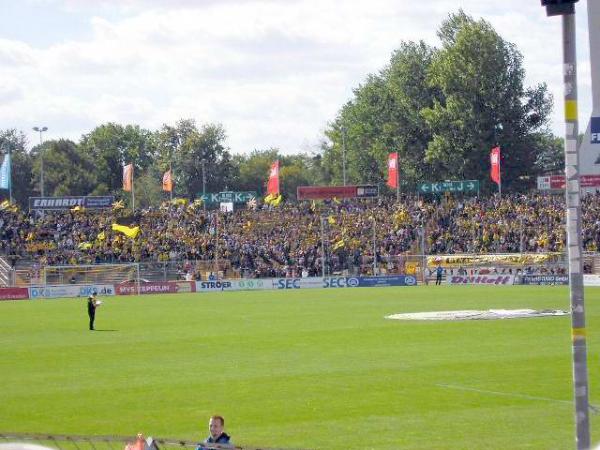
287, 240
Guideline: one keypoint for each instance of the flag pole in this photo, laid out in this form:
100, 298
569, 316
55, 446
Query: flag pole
171, 176
10, 175
499, 174
397, 177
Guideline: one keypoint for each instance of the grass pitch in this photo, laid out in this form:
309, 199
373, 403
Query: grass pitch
315, 369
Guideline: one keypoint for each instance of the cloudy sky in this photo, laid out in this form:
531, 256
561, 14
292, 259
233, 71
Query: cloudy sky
274, 73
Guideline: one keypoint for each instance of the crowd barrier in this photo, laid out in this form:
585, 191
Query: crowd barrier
173, 287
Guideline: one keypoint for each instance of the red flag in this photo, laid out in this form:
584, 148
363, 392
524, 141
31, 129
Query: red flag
495, 165
167, 181
273, 183
127, 177
392, 180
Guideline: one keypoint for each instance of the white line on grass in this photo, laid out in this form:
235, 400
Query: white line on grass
505, 394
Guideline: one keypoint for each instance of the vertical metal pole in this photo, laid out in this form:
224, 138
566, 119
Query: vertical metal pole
374, 248
217, 244
132, 190
578, 331
500, 174
41, 165
344, 154
171, 173
423, 251
397, 177
10, 175
521, 246
203, 185
323, 246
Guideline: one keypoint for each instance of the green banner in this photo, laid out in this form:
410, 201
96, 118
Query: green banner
227, 197
449, 186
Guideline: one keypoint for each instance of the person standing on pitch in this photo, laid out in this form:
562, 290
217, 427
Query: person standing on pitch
438, 274
92, 304
217, 435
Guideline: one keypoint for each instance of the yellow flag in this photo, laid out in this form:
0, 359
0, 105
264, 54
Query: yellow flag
269, 198
101, 236
130, 232
84, 246
277, 200
338, 245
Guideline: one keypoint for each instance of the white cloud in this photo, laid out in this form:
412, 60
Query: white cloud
273, 73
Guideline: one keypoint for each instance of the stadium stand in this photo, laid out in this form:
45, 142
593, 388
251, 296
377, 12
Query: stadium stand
179, 240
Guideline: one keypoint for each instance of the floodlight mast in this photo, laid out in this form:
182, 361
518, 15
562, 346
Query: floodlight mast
566, 9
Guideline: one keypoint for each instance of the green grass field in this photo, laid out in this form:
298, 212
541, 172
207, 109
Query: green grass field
316, 369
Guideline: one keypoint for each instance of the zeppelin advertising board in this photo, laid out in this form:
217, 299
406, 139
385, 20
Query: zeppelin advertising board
155, 287
13, 293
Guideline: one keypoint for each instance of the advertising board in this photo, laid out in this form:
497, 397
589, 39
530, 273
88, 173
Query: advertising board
343, 282
542, 279
250, 284
14, 293
329, 192
397, 280
496, 280
68, 290
591, 280
155, 287
68, 202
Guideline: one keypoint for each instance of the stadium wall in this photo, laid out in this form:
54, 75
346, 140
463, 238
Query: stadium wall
66, 291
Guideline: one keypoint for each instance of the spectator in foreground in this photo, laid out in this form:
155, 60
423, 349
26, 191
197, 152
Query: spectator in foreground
217, 435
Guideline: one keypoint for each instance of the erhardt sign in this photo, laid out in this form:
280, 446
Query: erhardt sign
68, 202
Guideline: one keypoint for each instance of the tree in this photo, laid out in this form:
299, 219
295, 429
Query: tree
67, 169
187, 149
383, 117
111, 146
551, 157
15, 142
483, 103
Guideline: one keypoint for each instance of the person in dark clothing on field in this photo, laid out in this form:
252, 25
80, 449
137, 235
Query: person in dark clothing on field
438, 275
92, 304
217, 435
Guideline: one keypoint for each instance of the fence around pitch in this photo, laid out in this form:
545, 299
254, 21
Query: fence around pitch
419, 266
69, 442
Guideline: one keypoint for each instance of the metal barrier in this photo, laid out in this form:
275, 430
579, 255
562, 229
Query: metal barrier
70, 442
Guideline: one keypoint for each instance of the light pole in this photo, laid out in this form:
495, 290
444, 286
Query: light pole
203, 183
566, 9
41, 130
323, 246
344, 154
374, 247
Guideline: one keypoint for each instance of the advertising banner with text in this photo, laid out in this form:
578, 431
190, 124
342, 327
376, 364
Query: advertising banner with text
490, 280
155, 287
68, 290
542, 279
14, 293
